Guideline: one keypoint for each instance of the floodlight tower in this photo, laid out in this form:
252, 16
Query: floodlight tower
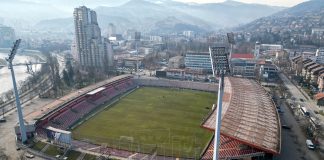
220, 66
19, 109
231, 41
137, 39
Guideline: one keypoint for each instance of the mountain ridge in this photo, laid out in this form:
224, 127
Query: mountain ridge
309, 12
144, 15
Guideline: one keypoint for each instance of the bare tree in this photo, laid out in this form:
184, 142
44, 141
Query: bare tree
53, 67
1, 106
9, 95
3, 156
30, 70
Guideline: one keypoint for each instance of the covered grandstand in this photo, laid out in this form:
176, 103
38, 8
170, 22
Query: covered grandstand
250, 122
69, 112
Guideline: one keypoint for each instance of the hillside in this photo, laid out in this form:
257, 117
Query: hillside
300, 18
146, 15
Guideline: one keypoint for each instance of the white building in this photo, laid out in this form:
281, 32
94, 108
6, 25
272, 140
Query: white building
243, 65
271, 47
147, 50
111, 30
317, 31
156, 38
320, 56
91, 50
198, 61
189, 34
257, 50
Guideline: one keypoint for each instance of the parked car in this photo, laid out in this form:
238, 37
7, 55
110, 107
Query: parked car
3, 120
285, 126
310, 144
30, 156
280, 111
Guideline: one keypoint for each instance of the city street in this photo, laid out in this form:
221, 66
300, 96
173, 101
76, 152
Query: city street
293, 140
298, 95
305, 101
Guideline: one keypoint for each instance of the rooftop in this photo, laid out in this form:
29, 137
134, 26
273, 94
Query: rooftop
176, 58
249, 116
309, 64
133, 58
242, 55
315, 66
319, 96
315, 70
296, 58
305, 61
198, 53
230, 149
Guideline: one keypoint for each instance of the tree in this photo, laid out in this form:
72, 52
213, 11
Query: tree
30, 69
106, 67
1, 106
78, 79
66, 78
9, 95
54, 72
70, 72
3, 156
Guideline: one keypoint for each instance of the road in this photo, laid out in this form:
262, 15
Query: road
309, 104
7, 133
293, 141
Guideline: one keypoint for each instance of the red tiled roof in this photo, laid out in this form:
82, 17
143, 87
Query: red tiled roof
319, 96
242, 55
230, 148
248, 115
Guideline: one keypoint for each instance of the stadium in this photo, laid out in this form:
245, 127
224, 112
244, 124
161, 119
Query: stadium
167, 123
151, 118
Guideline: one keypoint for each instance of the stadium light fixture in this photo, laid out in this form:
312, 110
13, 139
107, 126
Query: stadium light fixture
230, 37
231, 41
10, 58
220, 66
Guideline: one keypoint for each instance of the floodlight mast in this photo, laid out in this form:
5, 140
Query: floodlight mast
231, 41
220, 65
18, 105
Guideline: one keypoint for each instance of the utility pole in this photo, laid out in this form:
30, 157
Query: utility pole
220, 66
18, 105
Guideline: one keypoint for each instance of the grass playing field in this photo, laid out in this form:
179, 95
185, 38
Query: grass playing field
162, 118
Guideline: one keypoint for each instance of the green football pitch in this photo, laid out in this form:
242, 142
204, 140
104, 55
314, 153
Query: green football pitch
153, 119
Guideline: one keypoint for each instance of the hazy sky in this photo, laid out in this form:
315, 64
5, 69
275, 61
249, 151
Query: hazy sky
287, 3
94, 3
